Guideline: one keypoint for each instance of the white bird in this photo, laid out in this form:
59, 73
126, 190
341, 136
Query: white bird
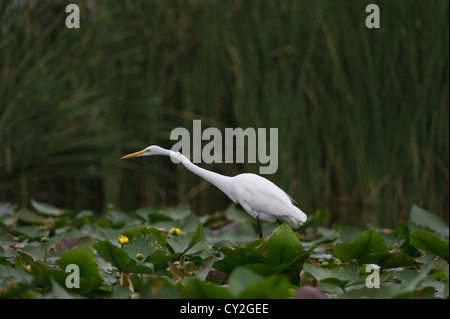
260, 198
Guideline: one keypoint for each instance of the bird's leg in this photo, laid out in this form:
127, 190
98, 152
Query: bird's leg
259, 227
279, 222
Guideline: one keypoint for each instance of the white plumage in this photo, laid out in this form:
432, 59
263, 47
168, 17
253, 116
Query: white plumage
260, 198
263, 199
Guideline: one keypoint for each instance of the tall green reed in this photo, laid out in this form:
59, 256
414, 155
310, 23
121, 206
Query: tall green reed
362, 114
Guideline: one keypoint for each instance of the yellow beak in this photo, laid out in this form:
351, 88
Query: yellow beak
134, 154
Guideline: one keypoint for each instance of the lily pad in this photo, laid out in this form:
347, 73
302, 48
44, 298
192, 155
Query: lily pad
46, 209
145, 242
279, 248
425, 220
83, 258
120, 259
368, 248
191, 242
340, 276
430, 243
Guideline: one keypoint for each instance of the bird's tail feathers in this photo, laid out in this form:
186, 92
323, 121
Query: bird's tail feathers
298, 218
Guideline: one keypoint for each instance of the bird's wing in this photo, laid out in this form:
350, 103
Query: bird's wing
261, 196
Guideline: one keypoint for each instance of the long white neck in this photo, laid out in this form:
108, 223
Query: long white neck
220, 181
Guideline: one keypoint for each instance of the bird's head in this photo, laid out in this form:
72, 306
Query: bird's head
148, 151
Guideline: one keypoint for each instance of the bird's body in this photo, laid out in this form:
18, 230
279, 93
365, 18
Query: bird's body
264, 200
260, 198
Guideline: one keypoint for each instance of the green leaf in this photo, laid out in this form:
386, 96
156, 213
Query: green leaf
157, 218
43, 275
23, 259
105, 234
294, 264
83, 257
120, 259
280, 252
197, 289
121, 219
325, 235
131, 232
176, 213
273, 287
191, 242
407, 283
18, 290
244, 283
368, 248
265, 269
145, 242
205, 268
46, 209
180, 243
159, 288
279, 248
422, 218
242, 278
430, 243
317, 218
9, 229
403, 234
159, 259
58, 292
144, 212
410, 279
199, 239
29, 217
243, 233
31, 231
237, 256
10, 274
349, 233
339, 276
398, 259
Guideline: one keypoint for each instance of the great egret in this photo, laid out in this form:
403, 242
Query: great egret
260, 198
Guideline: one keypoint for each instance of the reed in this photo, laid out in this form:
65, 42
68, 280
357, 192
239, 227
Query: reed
362, 114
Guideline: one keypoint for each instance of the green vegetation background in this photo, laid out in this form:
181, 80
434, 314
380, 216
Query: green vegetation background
362, 114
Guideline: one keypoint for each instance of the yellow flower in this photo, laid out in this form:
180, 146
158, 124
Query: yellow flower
123, 240
174, 231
